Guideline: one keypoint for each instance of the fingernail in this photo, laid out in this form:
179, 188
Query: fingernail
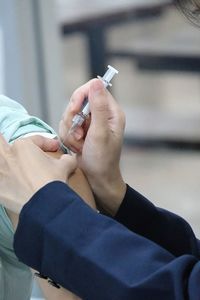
77, 135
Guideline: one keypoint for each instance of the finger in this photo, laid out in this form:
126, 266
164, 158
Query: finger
65, 132
73, 108
103, 106
24, 146
99, 102
75, 103
45, 144
74, 141
64, 128
79, 95
68, 164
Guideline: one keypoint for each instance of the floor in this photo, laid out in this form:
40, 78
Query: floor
155, 104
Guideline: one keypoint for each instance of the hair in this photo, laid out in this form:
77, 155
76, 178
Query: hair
191, 9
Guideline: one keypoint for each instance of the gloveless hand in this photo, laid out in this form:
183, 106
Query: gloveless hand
25, 168
98, 144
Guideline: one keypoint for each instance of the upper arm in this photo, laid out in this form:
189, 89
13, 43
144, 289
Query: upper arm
78, 182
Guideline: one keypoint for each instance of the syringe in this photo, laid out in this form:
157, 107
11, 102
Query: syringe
79, 118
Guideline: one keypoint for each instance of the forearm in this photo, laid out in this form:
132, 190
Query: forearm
75, 247
49, 292
163, 227
79, 184
52, 293
109, 192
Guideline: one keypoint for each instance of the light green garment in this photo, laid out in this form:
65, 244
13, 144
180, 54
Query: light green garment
15, 277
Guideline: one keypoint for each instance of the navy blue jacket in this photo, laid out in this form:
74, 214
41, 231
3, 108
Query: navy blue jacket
145, 253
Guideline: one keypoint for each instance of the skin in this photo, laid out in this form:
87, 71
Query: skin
31, 168
77, 177
98, 150
98, 147
27, 168
85, 192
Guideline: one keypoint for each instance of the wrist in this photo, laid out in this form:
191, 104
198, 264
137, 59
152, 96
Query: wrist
109, 192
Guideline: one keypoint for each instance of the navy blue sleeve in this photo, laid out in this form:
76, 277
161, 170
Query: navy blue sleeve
161, 226
96, 257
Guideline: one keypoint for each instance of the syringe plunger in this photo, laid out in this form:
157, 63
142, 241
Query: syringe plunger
79, 118
108, 76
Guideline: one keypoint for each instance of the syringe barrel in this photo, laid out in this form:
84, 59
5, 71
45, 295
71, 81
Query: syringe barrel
79, 118
86, 108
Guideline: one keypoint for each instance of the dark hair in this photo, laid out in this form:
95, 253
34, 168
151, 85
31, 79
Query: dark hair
191, 9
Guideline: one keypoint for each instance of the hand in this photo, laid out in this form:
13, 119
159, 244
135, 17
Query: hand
25, 168
99, 146
45, 144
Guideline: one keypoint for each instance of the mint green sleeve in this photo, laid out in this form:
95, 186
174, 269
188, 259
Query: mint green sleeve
15, 120
15, 278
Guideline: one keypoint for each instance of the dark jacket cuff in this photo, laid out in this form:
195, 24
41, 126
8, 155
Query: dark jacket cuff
161, 226
35, 215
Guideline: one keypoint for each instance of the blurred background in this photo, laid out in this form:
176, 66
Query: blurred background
49, 48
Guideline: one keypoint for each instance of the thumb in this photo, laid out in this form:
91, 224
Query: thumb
68, 164
45, 144
98, 100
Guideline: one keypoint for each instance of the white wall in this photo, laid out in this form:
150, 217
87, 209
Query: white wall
33, 74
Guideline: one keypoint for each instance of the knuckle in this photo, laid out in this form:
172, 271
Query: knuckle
77, 94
